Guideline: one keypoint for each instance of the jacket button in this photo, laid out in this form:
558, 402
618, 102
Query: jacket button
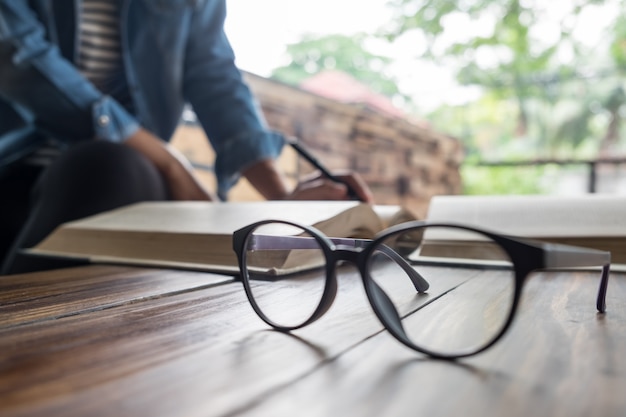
104, 120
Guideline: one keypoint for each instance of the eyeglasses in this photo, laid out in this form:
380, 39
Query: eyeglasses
446, 290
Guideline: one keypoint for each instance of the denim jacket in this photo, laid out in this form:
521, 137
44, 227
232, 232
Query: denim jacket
174, 52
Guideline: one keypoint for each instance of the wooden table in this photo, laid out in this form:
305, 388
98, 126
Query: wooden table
116, 341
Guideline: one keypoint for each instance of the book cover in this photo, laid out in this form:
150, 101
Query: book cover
198, 235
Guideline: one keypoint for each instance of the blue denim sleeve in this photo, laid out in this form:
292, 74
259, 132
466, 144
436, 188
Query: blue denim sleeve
47, 88
240, 152
111, 121
223, 102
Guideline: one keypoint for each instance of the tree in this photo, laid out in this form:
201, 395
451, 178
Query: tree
528, 51
350, 54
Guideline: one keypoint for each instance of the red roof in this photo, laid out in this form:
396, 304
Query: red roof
342, 87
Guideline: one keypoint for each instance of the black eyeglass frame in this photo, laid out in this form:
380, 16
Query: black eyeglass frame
526, 256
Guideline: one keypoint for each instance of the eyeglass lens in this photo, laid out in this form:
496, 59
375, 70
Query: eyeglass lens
471, 294
286, 283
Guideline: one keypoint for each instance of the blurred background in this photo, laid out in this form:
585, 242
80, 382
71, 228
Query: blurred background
427, 97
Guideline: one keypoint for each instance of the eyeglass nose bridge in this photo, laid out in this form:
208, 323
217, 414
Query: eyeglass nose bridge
382, 304
353, 254
344, 253
339, 254
333, 257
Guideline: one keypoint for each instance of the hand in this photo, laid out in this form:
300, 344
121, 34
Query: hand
318, 187
271, 183
182, 182
173, 166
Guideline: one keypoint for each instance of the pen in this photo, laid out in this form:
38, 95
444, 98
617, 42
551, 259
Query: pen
313, 161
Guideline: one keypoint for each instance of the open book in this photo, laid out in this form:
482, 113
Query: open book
594, 221
198, 235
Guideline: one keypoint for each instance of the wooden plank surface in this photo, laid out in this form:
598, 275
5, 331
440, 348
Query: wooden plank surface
205, 350
560, 358
197, 348
55, 294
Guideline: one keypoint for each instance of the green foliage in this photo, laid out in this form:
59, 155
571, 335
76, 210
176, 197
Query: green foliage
618, 44
514, 50
482, 180
349, 54
482, 127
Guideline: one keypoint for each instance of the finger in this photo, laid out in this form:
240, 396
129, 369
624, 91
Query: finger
359, 186
314, 176
322, 189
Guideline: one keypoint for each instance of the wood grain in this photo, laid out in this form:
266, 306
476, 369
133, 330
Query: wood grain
199, 350
55, 294
204, 348
560, 358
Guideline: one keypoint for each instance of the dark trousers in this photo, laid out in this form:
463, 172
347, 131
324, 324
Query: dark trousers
87, 179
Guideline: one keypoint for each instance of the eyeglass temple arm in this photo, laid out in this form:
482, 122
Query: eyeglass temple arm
270, 242
419, 282
566, 256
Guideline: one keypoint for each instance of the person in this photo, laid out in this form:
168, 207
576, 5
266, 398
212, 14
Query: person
91, 91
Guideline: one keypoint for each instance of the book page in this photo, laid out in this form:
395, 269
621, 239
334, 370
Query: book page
360, 222
392, 215
536, 215
204, 217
